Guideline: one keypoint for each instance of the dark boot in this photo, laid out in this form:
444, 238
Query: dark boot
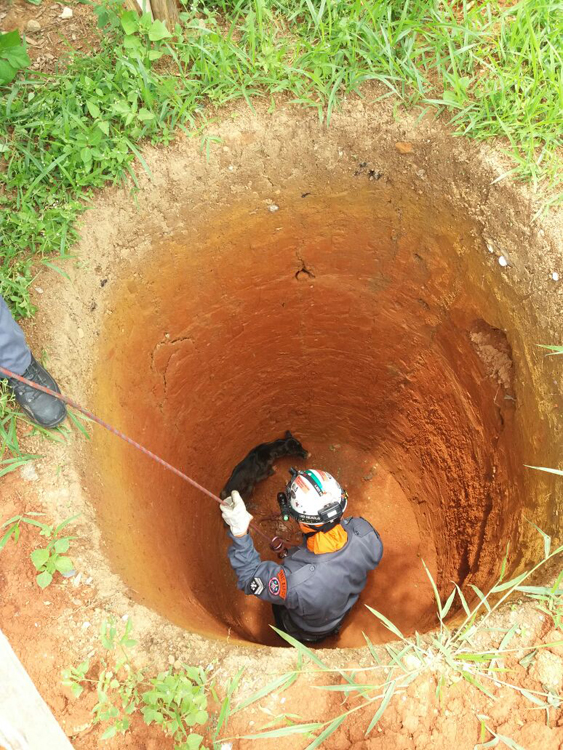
40, 407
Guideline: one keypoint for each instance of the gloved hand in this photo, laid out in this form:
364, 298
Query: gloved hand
235, 514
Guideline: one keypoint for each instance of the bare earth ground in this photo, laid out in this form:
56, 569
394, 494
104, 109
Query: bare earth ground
53, 629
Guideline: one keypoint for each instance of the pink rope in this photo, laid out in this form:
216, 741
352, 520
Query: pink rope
276, 544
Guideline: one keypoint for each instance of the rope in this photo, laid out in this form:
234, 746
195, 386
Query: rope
276, 543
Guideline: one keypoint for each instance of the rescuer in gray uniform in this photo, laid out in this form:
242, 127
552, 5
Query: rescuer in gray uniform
320, 581
16, 356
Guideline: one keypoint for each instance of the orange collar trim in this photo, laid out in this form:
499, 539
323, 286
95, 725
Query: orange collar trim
323, 542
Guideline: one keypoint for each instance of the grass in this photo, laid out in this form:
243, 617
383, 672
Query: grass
176, 700
46, 560
497, 72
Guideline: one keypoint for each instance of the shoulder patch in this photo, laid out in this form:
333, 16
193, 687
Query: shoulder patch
277, 585
257, 586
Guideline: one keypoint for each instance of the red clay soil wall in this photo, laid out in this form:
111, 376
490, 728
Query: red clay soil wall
361, 316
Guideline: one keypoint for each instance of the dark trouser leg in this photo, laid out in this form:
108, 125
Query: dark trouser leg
15, 356
284, 622
14, 352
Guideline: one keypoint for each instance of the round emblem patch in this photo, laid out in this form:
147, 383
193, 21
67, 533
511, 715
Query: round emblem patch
274, 586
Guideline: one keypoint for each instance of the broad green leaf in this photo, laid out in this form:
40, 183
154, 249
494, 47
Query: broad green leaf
76, 689
39, 557
104, 126
64, 564
10, 40
17, 56
110, 732
130, 22
158, 31
62, 545
7, 72
194, 741
93, 108
132, 43
44, 579
145, 115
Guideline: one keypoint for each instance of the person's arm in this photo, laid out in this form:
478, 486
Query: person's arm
266, 580
263, 578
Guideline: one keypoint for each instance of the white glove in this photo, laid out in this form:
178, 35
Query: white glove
235, 514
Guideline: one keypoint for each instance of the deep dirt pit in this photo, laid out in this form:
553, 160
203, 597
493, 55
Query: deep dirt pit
328, 283
344, 316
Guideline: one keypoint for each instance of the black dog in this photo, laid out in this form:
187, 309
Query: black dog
258, 464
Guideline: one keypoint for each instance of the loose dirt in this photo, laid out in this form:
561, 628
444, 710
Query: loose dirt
49, 37
329, 283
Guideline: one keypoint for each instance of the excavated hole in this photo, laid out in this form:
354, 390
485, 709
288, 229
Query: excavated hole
364, 316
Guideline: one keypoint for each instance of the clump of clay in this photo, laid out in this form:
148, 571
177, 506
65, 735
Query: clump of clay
493, 349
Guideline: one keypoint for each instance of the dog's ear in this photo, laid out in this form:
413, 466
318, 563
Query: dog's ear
288, 434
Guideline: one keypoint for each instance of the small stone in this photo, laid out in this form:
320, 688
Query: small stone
33, 26
555, 276
403, 147
273, 208
80, 333
548, 670
76, 580
86, 625
502, 261
39, 290
171, 660
67, 13
29, 472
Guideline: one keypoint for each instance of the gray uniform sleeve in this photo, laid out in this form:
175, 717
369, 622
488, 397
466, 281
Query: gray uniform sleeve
265, 579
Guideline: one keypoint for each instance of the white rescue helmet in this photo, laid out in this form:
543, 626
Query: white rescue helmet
315, 497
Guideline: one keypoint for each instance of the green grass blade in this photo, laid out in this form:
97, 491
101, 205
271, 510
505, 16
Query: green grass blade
325, 734
284, 731
388, 694
388, 624
559, 472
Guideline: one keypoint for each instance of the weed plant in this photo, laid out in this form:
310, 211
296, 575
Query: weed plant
176, 700
46, 560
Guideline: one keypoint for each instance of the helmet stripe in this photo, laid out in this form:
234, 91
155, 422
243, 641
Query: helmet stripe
314, 481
